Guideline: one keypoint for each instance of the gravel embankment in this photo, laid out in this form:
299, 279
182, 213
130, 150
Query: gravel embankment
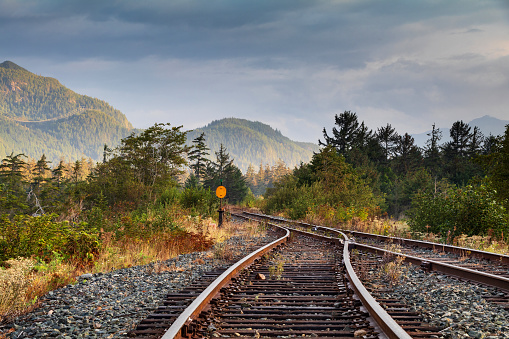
458, 307
109, 305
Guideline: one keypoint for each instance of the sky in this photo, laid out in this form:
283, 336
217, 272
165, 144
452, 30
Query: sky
292, 64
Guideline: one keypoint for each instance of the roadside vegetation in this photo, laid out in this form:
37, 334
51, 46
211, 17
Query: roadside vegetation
135, 207
381, 182
153, 197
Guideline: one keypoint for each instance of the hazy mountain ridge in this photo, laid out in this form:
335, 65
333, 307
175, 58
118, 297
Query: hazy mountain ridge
487, 124
38, 115
252, 142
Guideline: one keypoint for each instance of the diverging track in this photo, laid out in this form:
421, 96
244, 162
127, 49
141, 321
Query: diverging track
299, 286
299, 291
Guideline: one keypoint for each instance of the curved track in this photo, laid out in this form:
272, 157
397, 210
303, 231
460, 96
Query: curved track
302, 286
493, 270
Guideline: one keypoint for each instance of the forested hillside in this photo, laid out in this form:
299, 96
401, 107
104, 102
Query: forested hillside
38, 115
252, 142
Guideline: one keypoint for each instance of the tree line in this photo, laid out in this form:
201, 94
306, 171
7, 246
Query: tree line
137, 172
460, 186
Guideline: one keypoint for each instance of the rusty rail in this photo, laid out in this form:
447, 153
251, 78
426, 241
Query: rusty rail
427, 264
179, 327
431, 265
389, 326
426, 244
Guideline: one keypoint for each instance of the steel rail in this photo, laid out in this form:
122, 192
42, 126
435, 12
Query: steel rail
389, 326
427, 264
502, 258
182, 323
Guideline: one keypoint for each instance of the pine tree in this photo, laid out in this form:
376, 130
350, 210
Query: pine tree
12, 191
198, 157
11, 170
496, 164
432, 153
388, 139
349, 136
224, 172
407, 153
42, 167
58, 173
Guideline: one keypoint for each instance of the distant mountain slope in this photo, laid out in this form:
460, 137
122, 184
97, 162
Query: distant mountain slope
252, 142
487, 124
39, 115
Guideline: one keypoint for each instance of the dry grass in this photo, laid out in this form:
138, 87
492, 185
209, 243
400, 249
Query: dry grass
391, 268
401, 229
24, 281
15, 283
246, 232
484, 243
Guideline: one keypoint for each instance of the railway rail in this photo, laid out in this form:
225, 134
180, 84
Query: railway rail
305, 287
489, 268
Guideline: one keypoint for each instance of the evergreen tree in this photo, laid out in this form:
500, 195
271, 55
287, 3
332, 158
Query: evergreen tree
42, 167
408, 155
432, 153
476, 142
388, 139
458, 153
459, 145
12, 191
11, 170
192, 182
496, 164
198, 157
58, 173
154, 155
348, 135
224, 172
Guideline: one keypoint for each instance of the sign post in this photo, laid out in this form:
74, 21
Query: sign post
220, 193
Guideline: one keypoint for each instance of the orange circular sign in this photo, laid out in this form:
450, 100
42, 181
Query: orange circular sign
221, 192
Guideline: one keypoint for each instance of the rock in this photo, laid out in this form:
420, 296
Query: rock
360, 333
85, 276
260, 276
475, 334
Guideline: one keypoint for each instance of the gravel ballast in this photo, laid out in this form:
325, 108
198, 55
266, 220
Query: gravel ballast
108, 305
458, 307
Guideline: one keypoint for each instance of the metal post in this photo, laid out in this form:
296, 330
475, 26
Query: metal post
221, 212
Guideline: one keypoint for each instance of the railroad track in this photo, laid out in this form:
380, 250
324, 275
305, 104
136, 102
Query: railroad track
477, 266
303, 287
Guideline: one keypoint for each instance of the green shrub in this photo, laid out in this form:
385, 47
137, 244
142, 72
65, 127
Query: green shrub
41, 236
144, 224
199, 200
168, 197
470, 210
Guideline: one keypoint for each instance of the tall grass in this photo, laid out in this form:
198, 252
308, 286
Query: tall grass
24, 281
15, 281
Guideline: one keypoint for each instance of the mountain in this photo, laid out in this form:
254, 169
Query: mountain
38, 115
487, 124
251, 142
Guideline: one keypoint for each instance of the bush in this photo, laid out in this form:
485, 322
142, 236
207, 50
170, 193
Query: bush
470, 210
41, 236
199, 200
168, 197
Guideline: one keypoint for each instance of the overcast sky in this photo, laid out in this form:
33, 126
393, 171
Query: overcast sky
292, 64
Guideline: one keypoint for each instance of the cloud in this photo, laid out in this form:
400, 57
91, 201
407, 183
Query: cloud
290, 63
